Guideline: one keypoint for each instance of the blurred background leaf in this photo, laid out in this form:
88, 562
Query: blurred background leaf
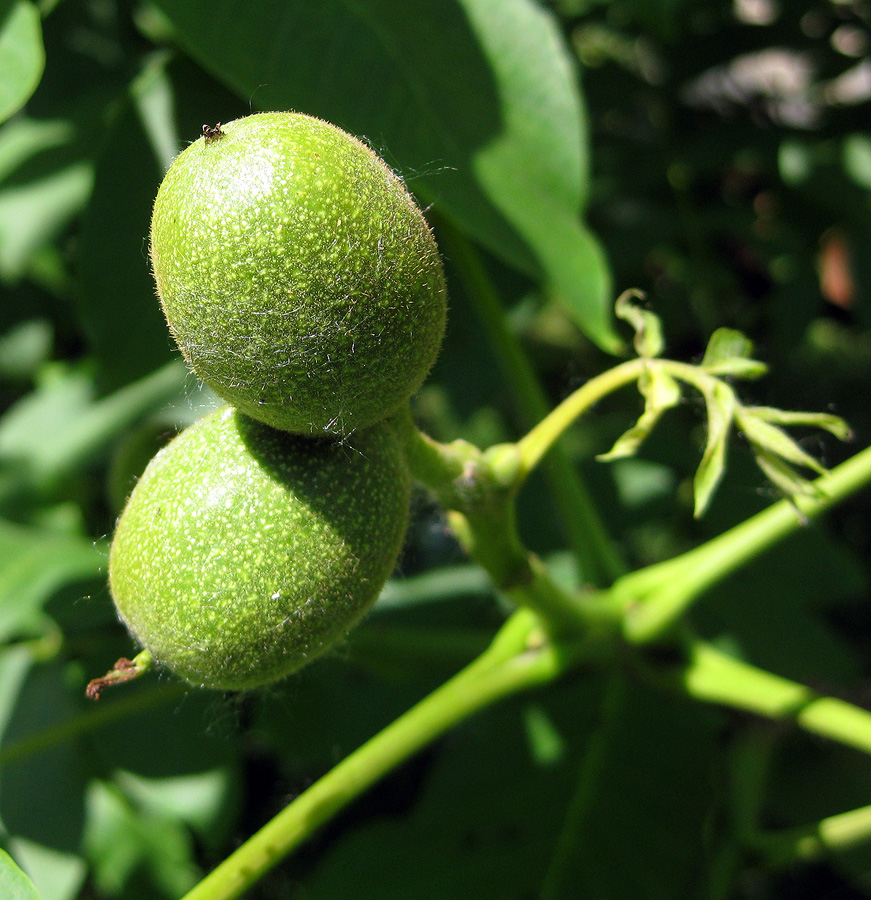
13, 882
21, 54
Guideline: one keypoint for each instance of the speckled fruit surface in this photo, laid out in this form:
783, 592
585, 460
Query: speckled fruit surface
243, 552
297, 275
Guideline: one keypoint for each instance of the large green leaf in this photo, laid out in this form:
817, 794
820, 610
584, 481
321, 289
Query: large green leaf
115, 293
42, 795
58, 427
43, 186
34, 563
14, 884
475, 102
22, 57
127, 843
489, 818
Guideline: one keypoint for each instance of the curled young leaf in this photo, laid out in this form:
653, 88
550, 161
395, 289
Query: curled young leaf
771, 440
629, 442
648, 338
660, 392
659, 389
726, 343
721, 404
833, 424
746, 369
782, 475
729, 353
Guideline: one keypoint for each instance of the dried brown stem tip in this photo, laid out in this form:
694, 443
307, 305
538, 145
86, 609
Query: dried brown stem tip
124, 670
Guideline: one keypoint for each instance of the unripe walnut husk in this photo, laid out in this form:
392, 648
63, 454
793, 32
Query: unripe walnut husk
297, 275
244, 551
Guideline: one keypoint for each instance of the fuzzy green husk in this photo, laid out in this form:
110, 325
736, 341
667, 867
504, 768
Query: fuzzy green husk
244, 552
298, 277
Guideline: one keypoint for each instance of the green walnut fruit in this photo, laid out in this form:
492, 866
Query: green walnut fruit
244, 552
297, 275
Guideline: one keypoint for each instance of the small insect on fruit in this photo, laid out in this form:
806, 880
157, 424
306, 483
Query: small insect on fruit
211, 134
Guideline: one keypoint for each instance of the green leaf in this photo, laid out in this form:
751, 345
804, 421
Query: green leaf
34, 564
857, 159
433, 586
43, 183
506, 161
833, 424
488, 824
32, 214
14, 884
22, 57
56, 428
726, 343
123, 840
720, 404
58, 875
577, 275
41, 796
23, 138
777, 612
661, 392
747, 369
773, 441
190, 789
129, 339
24, 349
729, 353
783, 476
648, 340
628, 443
659, 389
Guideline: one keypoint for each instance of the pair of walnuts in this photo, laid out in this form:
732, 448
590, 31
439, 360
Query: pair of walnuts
303, 285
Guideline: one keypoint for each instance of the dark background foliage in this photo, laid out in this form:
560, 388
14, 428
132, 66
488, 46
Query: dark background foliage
715, 155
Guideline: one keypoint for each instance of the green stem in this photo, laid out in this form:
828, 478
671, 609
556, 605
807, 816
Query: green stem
482, 516
587, 536
812, 842
715, 677
657, 597
506, 668
493, 542
545, 434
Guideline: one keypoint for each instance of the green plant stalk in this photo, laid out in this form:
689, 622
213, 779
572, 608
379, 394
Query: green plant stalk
715, 677
507, 667
534, 445
656, 598
482, 517
594, 548
540, 439
812, 842
492, 541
